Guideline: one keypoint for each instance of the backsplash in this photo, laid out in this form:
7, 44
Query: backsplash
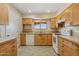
2, 31
75, 30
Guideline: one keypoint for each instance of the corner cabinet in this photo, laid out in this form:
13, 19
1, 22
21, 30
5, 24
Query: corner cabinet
3, 14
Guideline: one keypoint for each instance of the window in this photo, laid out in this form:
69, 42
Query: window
43, 26
37, 26
40, 25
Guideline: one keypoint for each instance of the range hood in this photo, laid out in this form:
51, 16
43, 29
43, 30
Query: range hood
60, 21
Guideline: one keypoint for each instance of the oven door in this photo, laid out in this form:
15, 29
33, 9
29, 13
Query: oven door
55, 43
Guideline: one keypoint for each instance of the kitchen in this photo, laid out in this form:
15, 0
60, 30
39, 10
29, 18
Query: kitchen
50, 30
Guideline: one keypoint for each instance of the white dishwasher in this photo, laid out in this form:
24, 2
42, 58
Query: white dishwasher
29, 39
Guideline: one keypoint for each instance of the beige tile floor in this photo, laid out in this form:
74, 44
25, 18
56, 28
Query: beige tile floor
36, 51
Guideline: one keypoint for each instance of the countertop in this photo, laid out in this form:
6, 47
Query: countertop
37, 33
6, 39
70, 38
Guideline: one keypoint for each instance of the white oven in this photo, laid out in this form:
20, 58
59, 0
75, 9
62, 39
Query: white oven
55, 43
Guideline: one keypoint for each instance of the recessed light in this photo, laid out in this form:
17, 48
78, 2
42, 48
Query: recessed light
30, 11
48, 11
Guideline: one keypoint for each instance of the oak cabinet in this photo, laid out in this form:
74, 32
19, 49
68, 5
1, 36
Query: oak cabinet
49, 39
8, 48
27, 21
22, 39
3, 14
75, 14
67, 48
60, 46
38, 39
67, 16
68, 51
71, 14
43, 39
53, 23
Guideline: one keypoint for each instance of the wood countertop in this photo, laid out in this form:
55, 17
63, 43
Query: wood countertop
70, 38
6, 39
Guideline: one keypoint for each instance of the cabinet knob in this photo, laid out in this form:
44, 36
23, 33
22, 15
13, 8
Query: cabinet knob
63, 46
77, 49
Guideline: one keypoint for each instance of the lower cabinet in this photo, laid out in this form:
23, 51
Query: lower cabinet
22, 39
8, 48
67, 51
67, 48
35, 39
43, 39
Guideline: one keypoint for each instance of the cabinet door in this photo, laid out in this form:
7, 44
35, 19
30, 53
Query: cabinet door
23, 39
75, 14
68, 51
67, 16
27, 21
8, 48
44, 38
49, 39
53, 23
60, 46
13, 48
38, 39
3, 14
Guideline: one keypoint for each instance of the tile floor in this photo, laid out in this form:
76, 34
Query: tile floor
36, 51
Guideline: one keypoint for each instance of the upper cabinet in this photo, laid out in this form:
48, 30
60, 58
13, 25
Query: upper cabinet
71, 14
3, 14
53, 23
27, 21
67, 16
75, 14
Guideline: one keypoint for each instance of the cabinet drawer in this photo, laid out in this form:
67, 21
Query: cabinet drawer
60, 52
60, 40
68, 51
60, 45
70, 44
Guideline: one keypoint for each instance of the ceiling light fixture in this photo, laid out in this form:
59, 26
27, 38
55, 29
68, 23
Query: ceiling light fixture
30, 11
48, 11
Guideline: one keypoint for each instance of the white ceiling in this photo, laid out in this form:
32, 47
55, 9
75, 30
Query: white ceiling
39, 8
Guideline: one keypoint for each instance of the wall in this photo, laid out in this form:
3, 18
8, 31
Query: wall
15, 24
75, 30
14, 27
39, 16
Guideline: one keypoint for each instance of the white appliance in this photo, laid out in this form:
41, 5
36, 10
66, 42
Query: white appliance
55, 43
60, 21
66, 31
29, 39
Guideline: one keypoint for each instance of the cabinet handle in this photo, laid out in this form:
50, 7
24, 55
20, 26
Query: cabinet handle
77, 49
77, 45
62, 46
62, 41
13, 46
